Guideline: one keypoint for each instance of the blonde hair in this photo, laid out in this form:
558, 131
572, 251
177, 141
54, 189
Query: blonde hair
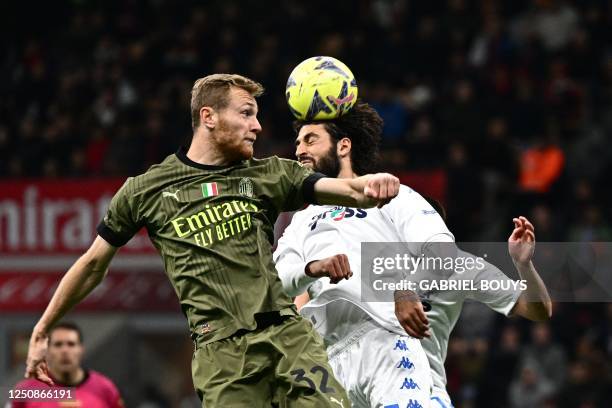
213, 90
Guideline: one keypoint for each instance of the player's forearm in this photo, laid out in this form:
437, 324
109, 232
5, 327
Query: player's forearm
78, 282
346, 192
538, 303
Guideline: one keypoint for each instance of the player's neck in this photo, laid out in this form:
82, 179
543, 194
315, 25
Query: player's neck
346, 172
203, 152
71, 378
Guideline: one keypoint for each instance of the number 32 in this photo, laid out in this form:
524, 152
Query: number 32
301, 377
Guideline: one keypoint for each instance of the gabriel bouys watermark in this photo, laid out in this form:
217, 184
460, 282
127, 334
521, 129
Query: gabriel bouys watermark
572, 272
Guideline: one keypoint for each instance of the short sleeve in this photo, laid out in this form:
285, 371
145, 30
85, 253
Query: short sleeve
298, 182
500, 297
121, 221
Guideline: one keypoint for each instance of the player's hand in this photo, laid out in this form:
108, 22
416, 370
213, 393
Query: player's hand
411, 315
36, 366
335, 267
381, 188
521, 244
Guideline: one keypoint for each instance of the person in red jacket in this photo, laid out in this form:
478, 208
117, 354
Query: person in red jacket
88, 388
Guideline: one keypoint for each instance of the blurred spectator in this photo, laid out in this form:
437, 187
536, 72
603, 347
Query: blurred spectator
541, 165
422, 148
96, 151
542, 216
552, 22
492, 46
526, 110
499, 167
530, 389
502, 361
543, 360
590, 226
584, 388
464, 195
392, 112
461, 118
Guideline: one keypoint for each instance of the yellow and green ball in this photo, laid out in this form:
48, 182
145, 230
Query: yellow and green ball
320, 88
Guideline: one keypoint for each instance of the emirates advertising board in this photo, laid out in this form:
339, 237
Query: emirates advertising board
46, 225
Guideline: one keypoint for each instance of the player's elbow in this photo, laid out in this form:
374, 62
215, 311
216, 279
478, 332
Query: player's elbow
539, 311
535, 311
548, 310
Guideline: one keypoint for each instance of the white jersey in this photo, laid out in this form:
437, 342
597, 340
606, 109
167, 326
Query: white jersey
318, 232
446, 308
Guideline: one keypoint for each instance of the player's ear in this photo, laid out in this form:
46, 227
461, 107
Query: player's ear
344, 146
208, 117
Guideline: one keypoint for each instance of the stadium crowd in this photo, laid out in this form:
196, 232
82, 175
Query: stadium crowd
511, 100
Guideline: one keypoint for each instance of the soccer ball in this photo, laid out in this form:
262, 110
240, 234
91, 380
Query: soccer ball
320, 88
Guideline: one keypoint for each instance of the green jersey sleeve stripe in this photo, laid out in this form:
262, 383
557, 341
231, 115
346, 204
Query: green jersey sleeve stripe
111, 236
308, 191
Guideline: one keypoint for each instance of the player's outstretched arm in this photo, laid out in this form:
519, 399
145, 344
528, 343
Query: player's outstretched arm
86, 273
335, 267
534, 303
363, 192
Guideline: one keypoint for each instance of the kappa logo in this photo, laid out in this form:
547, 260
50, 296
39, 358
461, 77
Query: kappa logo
405, 363
400, 345
409, 384
245, 187
169, 194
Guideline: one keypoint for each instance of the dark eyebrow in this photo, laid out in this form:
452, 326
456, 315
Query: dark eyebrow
307, 137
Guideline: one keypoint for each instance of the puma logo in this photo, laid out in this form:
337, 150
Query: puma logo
333, 399
169, 194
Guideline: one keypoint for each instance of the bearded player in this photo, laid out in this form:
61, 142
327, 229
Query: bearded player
373, 347
209, 211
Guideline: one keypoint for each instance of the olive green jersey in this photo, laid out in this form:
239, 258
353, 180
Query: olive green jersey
213, 227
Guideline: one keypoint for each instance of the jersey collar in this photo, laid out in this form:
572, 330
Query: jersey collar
182, 156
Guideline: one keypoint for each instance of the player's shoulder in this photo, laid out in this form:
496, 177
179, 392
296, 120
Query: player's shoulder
157, 175
30, 383
408, 201
98, 376
169, 166
408, 194
101, 380
408, 191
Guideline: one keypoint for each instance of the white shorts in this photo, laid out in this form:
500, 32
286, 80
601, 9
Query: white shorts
440, 398
379, 368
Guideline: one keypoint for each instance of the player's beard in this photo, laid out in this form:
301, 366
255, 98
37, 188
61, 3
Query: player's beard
230, 143
329, 164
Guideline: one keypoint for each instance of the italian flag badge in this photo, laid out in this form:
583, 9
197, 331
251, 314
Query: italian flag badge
209, 189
